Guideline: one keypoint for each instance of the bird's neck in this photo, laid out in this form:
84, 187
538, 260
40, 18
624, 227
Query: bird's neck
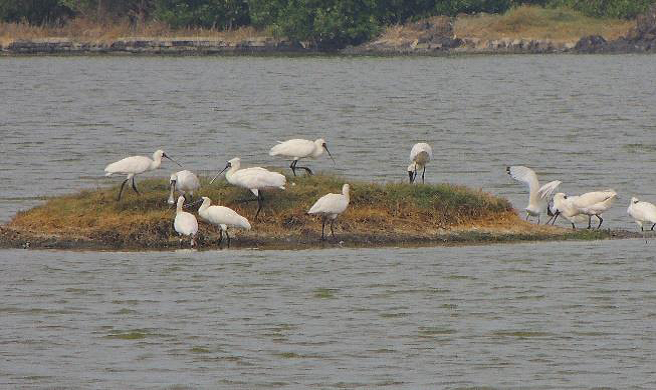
178, 209
203, 206
234, 168
156, 163
318, 150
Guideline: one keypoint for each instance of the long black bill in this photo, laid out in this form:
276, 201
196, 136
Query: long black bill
412, 176
217, 175
164, 155
331, 156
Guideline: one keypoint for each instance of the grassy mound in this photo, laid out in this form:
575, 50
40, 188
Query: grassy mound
533, 22
377, 212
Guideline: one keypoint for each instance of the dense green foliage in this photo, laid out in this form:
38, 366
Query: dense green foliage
327, 23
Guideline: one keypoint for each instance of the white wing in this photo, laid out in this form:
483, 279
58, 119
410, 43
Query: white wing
134, 164
227, 216
259, 178
418, 149
525, 175
293, 148
187, 181
329, 204
185, 223
546, 190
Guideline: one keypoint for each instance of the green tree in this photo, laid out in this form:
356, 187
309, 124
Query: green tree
34, 11
205, 13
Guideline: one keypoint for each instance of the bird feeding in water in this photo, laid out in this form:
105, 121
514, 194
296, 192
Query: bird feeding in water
300, 148
538, 196
329, 207
223, 217
642, 212
420, 155
255, 179
185, 224
132, 166
183, 182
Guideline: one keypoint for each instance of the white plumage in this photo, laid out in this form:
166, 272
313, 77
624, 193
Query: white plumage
589, 204
330, 206
184, 182
222, 216
135, 165
298, 149
185, 224
420, 155
642, 212
255, 179
538, 196
562, 203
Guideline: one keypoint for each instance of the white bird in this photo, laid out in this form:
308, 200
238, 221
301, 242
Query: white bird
134, 165
183, 182
562, 205
588, 204
330, 206
642, 212
298, 149
223, 217
185, 224
255, 179
538, 196
420, 155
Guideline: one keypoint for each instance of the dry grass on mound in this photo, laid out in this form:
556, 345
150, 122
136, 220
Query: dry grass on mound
85, 30
392, 208
532, 22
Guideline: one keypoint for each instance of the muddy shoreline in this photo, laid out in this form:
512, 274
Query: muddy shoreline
11, 238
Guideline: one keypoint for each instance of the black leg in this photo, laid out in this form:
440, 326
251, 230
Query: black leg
293, 166
332, 232
652, 226
220, 237
308, 170
228, 236
422, 175
601, 220
573, 226
323, 226
589, 221
121, 190
643, 229
260, 199
134, 187
555, 217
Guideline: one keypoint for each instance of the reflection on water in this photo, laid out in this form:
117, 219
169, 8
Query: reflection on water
547, 315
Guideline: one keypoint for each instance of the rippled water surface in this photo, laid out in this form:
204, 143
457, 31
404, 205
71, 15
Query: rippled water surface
545, 315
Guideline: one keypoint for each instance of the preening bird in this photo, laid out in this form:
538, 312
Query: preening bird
255, 179
329, 207
298, 149
223, 217
184, 182
185, 224
538, 196
135, 165
642, 212
420, 155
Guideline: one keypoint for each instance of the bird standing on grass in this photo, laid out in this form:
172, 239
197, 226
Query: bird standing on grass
538, 196
420, 155
589, 204
329, 207
185, 224
642, 212
223, 217
132, 166
298, 149
183, 182
255, 179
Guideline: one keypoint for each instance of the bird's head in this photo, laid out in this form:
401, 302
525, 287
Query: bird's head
230, 163
322, 143
634, 200
345, 189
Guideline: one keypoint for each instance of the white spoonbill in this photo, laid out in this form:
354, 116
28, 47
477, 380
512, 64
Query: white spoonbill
594, 203
642, 212
298, 149
185, 224
562, 205
420, 155
223, 217
183, 182
330, 206
255, 179
538, 196
135, 165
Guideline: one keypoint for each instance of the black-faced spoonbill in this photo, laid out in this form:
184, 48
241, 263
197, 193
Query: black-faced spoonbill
255, 179
132, 166
642, 212
223, 217
538, 196
183, 182
298, 149
561, 204
185, 224
589, 204
420, 155
329, 207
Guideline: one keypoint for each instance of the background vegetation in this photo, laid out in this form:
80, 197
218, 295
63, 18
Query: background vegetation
329, 24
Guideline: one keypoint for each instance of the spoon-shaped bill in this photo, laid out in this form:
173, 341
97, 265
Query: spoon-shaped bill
331, 156
217, 175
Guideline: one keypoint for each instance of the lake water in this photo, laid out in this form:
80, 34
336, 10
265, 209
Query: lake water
545, 315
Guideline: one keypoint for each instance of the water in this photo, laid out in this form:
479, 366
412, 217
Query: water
546, 315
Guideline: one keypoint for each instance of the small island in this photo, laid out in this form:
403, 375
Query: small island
392, 214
